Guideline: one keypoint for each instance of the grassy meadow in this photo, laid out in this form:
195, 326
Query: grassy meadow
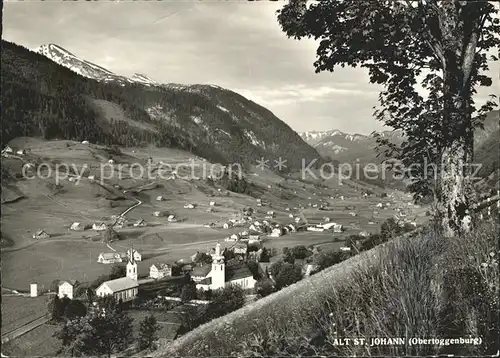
422, 286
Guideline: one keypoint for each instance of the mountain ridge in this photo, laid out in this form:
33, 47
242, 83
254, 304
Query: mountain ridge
70, 98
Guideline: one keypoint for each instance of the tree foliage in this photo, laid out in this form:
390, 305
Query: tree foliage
148, 333
188, 292
285, 274
117, 271
438, 46
99, 333
75, 309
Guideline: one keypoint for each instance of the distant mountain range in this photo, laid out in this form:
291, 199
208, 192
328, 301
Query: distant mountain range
52, 93
348, 147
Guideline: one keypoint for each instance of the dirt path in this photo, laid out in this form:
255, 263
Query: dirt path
24, 329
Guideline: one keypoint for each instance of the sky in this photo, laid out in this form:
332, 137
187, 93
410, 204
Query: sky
234, 44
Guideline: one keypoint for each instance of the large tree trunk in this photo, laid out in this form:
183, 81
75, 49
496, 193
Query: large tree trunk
456, 188
456, 50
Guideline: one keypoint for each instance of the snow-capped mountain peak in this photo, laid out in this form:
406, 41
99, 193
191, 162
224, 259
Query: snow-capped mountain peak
139, 77
88, 69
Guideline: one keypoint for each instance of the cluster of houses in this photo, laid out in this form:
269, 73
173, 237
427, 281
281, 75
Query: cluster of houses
117, 257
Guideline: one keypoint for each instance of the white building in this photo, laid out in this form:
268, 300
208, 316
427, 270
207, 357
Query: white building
66, 289
277, 232
109, 258
136, 255
7, 150
218, 276
189, 206
160, 198
34, 289
100, 226
123, 288
315, 228
76, 226
160, 270
140, 223
132, 268
41, 234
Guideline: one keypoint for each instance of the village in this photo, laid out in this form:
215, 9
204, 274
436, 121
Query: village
244, 240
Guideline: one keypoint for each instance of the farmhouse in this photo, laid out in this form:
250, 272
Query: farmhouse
111, 161
120, 222
227, 225
189, 206
41, 234
315, 228
253, 238
76, 226
332, 226
235, 237
240, 248
160, 270
132, 253
277, 232
109, 258
160, 198
85, 142
218, 276
140, 223
171, 218
99, 226
212, 203
7, 150
66, 288
21, 152
209, 225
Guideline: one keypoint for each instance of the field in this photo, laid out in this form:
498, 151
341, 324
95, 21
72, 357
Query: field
18, 310
53, 205
38, 342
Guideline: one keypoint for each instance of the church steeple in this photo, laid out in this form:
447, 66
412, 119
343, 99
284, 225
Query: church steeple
218, 272
131, 264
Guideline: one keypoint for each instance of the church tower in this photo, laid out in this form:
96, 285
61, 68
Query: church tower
218, 273
131, 266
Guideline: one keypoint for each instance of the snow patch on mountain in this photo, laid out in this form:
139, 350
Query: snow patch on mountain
253, 139
223, 109
197, 120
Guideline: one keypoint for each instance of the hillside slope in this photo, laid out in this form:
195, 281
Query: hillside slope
43, 98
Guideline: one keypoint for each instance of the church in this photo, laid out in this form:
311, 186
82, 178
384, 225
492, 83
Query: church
123, 289
217, 275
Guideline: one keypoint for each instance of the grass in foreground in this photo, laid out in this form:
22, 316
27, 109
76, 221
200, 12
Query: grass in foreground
423, 287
